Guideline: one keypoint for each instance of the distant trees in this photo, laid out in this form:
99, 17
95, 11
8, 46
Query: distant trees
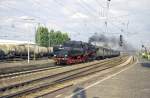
41, 37
47, 38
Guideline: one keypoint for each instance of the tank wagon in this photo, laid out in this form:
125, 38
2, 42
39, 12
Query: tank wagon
73, 52
8, 51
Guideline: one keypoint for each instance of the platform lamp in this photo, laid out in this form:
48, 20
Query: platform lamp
29, 20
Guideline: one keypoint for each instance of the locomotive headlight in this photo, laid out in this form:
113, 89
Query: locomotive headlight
66, 55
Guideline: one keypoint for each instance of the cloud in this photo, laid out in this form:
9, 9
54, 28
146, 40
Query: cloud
81, 16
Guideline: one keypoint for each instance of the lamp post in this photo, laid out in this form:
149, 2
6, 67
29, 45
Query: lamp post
28, 20
107, 12
28, 53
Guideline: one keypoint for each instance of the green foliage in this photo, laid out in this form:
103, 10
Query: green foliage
42, 36
50, 38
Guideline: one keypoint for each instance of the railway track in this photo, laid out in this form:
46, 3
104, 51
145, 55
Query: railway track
70, 82
12, 74
29, 84
7, 68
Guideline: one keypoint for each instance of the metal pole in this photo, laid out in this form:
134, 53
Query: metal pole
49, 38
107, 12
35, 46
28, 43
28, 53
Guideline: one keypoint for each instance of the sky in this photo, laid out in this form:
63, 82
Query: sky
80, 18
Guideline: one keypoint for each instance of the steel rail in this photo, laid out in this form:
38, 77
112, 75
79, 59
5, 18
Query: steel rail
27, 72
11, 75
84, 69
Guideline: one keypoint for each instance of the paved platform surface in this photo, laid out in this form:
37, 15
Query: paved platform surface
134, 82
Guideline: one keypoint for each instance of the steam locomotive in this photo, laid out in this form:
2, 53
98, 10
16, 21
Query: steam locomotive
73, 52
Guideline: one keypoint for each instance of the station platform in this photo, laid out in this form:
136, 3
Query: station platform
131, 83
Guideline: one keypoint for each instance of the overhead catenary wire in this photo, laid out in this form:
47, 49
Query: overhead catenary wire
45, 18
21, 11
108, 1
46, 9
93, 15
71, 10
37, 3
106, 24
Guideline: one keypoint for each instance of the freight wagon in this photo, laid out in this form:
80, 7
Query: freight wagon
8, 51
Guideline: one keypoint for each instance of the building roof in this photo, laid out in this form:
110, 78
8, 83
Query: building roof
15, 42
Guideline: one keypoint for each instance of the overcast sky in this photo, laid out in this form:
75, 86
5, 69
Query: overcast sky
81, 18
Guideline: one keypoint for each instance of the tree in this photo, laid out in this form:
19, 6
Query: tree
42, 36
50, 38
57, 37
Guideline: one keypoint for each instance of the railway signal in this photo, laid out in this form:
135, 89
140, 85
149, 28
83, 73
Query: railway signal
145, 48
121, 40
142, 46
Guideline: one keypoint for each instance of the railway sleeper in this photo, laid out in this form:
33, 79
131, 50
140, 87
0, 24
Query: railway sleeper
16, 86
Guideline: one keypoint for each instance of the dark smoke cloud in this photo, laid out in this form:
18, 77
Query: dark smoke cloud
98, 38
104, 39
111, 42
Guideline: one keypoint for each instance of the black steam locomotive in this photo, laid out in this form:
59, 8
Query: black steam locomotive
73, 52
